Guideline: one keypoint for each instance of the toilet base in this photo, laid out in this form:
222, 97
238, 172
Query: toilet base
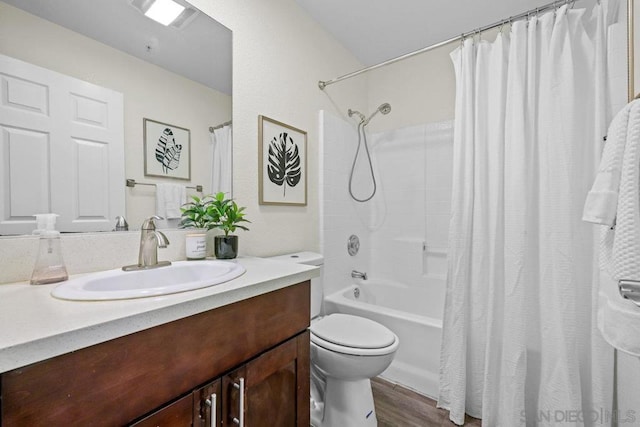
347, 403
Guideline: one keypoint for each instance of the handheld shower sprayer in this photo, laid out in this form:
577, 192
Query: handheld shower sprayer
384, 109
362, 136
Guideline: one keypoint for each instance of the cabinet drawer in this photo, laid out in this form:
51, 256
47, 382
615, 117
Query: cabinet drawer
177, 414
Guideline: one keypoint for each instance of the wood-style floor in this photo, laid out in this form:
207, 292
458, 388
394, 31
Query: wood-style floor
397, 406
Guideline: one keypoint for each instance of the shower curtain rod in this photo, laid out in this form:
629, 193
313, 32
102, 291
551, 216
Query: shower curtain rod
220, 126
323, 84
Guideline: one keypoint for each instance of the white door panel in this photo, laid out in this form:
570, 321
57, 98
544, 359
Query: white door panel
61, 149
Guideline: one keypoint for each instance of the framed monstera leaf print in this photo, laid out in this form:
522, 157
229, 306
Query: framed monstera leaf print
167, 150
282, 163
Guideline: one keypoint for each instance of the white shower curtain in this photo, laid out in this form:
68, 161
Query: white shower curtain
221, 159
520, 345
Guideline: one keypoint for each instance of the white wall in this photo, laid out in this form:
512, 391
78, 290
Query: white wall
279, 54
420, 90
149, 92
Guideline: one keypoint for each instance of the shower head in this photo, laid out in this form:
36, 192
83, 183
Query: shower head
384, 109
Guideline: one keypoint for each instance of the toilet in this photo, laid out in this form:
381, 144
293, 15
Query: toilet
346, 352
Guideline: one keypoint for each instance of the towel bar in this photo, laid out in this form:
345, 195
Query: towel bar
630, 289
132, 183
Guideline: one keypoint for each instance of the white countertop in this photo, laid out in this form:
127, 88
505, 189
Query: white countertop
34, 326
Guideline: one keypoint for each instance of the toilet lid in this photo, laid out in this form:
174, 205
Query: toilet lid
352, 331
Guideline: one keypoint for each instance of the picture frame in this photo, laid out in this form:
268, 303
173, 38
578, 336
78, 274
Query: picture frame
282, 163
167, 150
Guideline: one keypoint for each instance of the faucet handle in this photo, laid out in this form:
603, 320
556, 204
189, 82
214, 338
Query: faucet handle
121, 224
149, 223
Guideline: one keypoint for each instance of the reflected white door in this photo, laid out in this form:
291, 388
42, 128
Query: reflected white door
61, 150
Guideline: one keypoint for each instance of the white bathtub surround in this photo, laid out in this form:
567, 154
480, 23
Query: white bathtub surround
519, 337
341, 216
403, 233
410, 217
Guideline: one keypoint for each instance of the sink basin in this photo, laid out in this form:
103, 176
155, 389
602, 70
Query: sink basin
178, 277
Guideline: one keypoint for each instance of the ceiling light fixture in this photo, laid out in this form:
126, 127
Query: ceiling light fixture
164, 11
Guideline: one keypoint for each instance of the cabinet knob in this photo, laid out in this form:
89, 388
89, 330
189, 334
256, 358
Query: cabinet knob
213, 402
240, 421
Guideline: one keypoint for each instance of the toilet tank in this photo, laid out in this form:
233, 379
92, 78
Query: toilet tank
308, 258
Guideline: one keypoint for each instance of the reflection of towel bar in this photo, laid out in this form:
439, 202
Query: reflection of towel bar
132, 183
630, 289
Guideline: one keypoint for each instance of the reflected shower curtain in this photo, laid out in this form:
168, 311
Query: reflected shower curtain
221, 159
520, 344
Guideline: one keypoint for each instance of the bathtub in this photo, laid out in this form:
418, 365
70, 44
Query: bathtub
413, 313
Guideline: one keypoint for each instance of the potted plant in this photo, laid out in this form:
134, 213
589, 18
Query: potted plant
216, 212
195, 214
229, 216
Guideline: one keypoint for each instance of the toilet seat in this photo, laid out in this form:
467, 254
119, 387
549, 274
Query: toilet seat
353, 335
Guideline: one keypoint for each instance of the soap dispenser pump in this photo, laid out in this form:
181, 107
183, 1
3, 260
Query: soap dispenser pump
49, 266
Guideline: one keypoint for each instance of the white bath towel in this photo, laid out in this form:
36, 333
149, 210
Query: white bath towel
621, 246
169, 198
618, 319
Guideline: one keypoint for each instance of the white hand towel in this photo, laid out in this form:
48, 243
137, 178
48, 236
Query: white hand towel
602, 201
169, 198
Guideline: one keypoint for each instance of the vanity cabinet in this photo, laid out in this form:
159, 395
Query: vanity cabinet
252, 355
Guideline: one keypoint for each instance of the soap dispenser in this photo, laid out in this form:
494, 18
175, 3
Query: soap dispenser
49, 266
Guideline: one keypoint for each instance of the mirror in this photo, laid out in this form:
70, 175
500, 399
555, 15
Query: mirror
177, 75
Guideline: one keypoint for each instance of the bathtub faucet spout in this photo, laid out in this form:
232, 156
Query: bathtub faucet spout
358, 275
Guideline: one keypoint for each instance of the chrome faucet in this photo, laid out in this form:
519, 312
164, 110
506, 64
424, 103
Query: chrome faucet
358, 275
150, 240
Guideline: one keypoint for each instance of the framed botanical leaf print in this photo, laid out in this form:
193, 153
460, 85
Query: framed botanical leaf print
282, 163
167, 150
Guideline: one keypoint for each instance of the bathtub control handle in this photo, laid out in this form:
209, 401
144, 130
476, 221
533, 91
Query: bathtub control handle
358, 274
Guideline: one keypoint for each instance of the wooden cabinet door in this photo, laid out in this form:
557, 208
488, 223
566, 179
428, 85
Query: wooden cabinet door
207, 404
176, 414
276, 388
